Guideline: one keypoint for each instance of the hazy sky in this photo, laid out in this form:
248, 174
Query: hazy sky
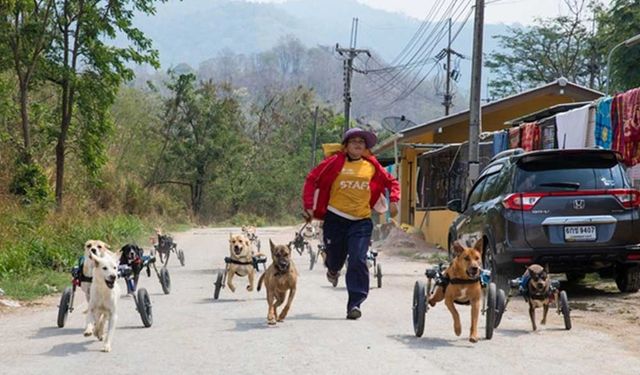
506, 11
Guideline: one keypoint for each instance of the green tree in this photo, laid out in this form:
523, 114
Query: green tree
617, 23
201, 122
88, 70
551, 48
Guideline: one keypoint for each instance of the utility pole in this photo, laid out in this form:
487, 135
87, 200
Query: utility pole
349, 54
447, 93
475, 114
315, 137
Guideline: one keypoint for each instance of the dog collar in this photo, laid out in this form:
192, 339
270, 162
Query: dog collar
464, 281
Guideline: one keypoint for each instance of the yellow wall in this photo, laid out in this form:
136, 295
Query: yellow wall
435, 225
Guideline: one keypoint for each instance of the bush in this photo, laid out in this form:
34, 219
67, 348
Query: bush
30, 183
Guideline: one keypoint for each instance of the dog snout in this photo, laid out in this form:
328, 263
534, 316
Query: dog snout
112, 278
474, 270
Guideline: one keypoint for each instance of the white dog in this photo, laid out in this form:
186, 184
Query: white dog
105, 293
100, 249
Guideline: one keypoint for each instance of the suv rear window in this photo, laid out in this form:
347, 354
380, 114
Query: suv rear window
555, 173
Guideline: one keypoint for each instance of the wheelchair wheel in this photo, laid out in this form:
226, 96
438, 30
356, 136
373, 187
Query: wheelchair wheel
218, 285
378, 273
419, 307
564, 309
143, 303
501, 304
165, 280
63, 308
313, 257
491, 310
181, 257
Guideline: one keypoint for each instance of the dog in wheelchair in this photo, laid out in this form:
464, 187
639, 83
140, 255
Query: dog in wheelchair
240, 260
105, 293
100, 249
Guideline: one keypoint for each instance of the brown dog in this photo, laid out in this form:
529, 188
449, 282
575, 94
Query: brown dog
241, 253
463, 286
280, 277
538, 286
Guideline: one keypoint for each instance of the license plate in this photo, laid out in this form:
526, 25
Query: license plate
580, 233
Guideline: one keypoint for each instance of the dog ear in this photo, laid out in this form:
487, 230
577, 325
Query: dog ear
457, 248
271, 244
479, 246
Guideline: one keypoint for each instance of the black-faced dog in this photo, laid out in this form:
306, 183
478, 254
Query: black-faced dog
131, 255
537, 292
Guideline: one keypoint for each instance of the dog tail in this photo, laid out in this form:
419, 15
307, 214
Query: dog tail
260, 281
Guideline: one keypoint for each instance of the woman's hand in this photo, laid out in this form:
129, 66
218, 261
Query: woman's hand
393, 208
308, 215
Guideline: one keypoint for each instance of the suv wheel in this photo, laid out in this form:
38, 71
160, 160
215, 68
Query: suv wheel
628, 279
499, 278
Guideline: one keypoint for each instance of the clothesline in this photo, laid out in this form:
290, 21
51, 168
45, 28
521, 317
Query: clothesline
607, 123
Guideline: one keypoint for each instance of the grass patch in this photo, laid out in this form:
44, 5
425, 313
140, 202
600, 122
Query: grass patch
35, 285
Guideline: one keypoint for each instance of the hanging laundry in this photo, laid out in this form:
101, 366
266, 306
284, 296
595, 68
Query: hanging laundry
530, 136
572, 128
603, 132
548, 133
591, 127
617, 139
631, 126
500, 142
514, 137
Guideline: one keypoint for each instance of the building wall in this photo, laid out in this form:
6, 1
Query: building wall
435, 224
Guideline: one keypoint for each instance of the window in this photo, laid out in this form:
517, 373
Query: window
476, 193
491, 188
559, 176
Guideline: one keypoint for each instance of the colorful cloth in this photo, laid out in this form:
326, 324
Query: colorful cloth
530, 136
603, 132
617, 140
500, 142
548, 133
514, 137
631, 126
572, 128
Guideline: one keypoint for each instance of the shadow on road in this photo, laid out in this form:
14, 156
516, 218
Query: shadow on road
70, 348
428, 343
46, 332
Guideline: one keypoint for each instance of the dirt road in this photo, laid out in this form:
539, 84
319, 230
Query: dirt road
193, 334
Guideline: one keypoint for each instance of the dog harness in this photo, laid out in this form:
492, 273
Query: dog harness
77, 273
253, 262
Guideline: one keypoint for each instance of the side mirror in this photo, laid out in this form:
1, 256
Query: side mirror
455, 205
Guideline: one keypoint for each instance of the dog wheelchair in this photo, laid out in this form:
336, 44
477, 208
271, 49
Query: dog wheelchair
165, 247
137, 261
141, 298
493, 303
221, 277
301, 245
554, 295
372, 262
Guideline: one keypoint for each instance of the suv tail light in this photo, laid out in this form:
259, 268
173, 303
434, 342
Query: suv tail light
628, 198
521, 201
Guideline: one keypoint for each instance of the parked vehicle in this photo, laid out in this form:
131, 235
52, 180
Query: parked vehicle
571, 210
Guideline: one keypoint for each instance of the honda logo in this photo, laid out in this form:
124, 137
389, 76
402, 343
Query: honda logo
578, 204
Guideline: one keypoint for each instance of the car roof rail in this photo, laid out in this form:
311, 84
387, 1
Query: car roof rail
505, 153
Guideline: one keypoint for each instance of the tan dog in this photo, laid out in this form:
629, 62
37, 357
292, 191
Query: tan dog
242, 260
280, 277
100, 249
464, 286
537, 292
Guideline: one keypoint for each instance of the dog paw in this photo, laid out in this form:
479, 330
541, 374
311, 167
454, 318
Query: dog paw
87, 333
473, 339
457, 330
249, 288
106, 348
281, 319
271, 322
543, 322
